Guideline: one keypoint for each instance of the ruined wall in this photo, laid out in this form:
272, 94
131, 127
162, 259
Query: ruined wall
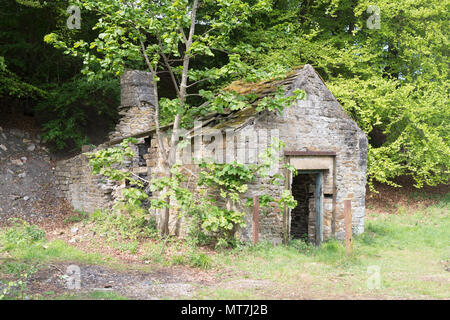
315, 124
320, 124
84, 191
87, 192
136, 99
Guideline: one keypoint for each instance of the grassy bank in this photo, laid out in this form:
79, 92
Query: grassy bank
401, 255
409, 249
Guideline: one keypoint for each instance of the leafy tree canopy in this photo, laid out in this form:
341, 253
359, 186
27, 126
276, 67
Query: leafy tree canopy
392, 78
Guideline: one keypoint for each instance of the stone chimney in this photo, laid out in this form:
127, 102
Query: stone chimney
136, 107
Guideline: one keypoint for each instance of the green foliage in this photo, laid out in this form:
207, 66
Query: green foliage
231, 179
128, 219
161, 35
280, 100
160, 26
222, 100
107, 162
199, 260
17, 288
22, 234
212, 222
304, 247
40, 80
76, 107
11, 85
393, 80
125, 221
25, 61
78, 217
192, 258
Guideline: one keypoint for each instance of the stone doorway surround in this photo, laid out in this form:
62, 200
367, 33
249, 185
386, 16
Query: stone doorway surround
322, 165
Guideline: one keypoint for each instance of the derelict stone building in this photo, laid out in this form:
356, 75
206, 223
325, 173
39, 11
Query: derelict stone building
323, 143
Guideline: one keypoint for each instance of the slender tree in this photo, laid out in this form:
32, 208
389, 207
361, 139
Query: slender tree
166, 36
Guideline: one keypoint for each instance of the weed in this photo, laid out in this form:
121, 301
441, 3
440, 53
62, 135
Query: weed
199, 260
78, 217
302, 246
178, 259
20, 273
126, 221
22, 233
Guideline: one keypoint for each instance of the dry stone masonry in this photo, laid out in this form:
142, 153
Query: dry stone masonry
135, 109
86, 192
323, 143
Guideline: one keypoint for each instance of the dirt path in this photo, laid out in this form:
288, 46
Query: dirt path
162, 284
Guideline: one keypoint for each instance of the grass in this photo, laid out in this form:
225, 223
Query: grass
27, 244
94, 295
53, 251
77, 217
409, 249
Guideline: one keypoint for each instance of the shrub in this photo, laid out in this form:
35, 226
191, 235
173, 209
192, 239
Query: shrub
126, 221
199, 260
22, 233
302, 246
75, 107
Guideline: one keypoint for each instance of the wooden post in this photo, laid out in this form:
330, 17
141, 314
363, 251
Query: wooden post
287, 186
348, 226
255, 220
319, 208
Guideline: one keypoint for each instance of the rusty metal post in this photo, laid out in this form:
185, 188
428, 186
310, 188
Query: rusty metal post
348, 226
255, 220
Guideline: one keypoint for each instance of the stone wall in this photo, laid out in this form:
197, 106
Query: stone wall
87, 192
315, 124
84, 191
319, 123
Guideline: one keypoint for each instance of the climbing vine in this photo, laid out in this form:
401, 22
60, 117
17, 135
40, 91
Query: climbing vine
198, 195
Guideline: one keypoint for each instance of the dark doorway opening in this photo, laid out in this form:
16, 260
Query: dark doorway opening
303, 188
142, 151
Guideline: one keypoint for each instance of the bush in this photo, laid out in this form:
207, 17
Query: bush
199, 260
22, 234
125, 221
77, 106
192, 258
302, 246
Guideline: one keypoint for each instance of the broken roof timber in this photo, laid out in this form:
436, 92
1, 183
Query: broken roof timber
233, 120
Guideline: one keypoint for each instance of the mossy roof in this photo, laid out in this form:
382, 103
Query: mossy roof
233, 120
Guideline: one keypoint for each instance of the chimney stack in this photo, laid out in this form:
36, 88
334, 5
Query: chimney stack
136, 107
